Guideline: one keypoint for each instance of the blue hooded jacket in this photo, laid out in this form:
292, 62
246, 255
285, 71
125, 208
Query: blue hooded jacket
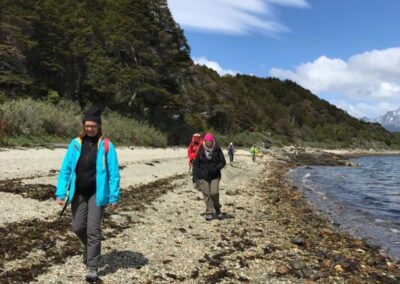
107, 184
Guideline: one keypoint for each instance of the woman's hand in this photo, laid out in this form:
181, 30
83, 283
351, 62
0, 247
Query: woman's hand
60, 201
114, 206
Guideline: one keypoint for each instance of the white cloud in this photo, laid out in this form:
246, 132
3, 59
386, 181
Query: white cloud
293, 3
371, 76
232, 16
361, 109
383, 63
214, 65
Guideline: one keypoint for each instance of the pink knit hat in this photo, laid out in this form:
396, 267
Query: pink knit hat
208, 137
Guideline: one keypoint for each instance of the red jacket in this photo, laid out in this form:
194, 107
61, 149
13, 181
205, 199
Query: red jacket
193, 148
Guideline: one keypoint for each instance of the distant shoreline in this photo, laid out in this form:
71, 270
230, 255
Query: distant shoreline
362, 153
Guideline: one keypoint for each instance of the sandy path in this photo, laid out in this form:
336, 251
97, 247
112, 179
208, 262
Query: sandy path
42, 162
40, 166
172, 235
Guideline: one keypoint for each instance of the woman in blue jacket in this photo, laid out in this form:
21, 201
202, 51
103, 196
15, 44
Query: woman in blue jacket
89, 181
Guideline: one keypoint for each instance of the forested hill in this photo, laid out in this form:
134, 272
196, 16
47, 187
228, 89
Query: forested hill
131, 57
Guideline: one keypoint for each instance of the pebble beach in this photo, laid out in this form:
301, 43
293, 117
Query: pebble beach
269, 233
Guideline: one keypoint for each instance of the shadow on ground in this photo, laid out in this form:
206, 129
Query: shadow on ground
224, 216
116, 260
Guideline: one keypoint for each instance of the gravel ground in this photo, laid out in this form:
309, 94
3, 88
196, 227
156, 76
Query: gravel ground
15, 208
268, 233
172, 238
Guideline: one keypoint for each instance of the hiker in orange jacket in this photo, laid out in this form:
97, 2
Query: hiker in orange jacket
193, 147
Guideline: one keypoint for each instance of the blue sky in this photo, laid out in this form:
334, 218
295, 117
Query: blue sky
345, 51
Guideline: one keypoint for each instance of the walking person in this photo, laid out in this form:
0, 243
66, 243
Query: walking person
192, 149
90, 170
254, 152
231, 152
207, 171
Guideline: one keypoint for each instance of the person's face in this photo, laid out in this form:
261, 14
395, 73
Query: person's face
196, 140
208, 144
91, 128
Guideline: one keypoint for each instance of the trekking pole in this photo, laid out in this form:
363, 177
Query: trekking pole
68, 187
66, 200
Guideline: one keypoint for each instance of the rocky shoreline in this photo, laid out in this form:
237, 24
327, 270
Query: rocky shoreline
337, 256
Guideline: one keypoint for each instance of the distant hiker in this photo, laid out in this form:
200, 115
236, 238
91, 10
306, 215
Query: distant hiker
231, 152
254, 152
90, 175
193, 147
207, 170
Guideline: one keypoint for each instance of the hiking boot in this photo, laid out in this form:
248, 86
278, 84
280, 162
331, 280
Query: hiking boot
209, 217
91, 276
219, 215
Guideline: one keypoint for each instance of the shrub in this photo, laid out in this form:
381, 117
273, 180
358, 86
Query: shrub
27, 117
129, 131
30, 122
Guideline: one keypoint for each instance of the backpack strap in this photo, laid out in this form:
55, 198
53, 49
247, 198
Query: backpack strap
106, 145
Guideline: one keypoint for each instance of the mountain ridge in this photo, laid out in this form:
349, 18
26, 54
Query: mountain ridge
390, 120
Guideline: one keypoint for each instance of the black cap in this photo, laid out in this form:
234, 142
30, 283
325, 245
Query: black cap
92, 114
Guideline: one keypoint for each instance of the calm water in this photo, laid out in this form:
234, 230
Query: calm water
364, 200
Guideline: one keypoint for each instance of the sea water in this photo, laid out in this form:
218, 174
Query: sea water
364, 200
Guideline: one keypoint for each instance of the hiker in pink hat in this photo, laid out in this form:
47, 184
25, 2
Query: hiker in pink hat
207, 168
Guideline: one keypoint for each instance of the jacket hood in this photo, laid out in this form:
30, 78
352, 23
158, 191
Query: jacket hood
197, 137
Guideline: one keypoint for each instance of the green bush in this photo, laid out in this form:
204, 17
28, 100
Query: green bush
29, 118
129, 131
29, 122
